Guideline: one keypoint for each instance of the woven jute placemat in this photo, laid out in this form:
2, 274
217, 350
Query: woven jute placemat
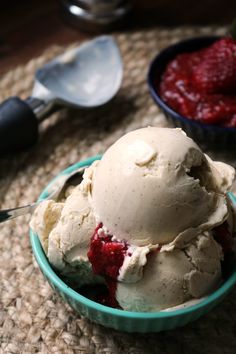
33, 319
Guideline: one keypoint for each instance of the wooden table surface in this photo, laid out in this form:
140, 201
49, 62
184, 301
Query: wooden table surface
29, 26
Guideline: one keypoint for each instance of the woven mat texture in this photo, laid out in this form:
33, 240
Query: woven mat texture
33, 319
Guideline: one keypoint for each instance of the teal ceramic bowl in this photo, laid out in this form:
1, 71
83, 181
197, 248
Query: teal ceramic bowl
118, 319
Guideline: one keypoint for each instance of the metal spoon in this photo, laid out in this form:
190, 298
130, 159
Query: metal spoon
86, 76
55, 193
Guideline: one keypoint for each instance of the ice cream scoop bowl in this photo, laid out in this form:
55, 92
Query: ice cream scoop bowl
118, 319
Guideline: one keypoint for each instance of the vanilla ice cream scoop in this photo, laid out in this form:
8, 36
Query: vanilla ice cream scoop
155, 186
172, 278
65, 229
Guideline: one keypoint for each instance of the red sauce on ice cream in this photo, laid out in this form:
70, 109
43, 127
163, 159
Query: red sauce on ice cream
224, 237
107, 256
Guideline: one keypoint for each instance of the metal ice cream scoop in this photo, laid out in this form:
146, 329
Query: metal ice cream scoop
86, 76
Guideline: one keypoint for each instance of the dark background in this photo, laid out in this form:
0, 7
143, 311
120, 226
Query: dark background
27, 27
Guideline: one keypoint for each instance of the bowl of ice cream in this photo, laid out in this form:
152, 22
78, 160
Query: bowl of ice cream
181, 80
139, 244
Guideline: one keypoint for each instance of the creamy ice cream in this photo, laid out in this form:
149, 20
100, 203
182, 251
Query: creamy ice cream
171, 278
64, 229
144, 220
155, 185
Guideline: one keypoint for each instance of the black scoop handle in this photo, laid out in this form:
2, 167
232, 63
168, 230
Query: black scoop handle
18, 126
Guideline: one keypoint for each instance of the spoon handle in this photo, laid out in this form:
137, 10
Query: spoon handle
8, 214
18, 126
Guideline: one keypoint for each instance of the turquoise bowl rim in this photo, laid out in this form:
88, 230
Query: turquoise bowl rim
64, 288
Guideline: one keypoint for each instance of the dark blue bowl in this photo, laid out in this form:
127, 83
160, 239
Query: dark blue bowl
212, 135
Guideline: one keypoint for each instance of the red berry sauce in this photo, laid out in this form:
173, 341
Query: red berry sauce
223, 236
108, 297
107, 256
180, 91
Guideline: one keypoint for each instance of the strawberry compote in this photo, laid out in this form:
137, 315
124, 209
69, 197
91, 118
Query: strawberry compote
107, 256
224, 237
201, 85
